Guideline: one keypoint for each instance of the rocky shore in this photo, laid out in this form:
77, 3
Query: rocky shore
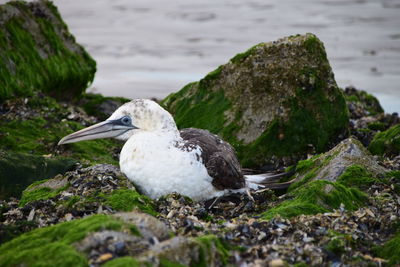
278, 105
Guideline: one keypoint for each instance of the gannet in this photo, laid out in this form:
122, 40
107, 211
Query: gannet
159, 159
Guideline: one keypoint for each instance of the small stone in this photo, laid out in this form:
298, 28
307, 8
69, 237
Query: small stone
105, 257
31, 215
276, 263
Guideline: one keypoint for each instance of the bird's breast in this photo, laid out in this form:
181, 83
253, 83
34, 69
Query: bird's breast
157, 166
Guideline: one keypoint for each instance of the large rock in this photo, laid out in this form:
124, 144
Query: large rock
39, 54
276, 100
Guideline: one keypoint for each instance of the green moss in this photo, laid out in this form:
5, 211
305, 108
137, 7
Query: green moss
318, 197
387, 142
242, 56
127, 199
197, 110
209, 245
356, 176
377, 126
52, 246
72, 201
18, 170
40, 194
166, 263
393, 174
214, 74
36, 58
39, 136
293, 138
122, 262
391, 250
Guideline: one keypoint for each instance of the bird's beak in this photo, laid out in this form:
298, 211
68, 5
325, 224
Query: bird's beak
105, 129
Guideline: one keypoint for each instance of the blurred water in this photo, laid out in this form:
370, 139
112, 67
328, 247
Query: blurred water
150, 48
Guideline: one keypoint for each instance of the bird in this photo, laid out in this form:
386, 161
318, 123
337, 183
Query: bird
159, 159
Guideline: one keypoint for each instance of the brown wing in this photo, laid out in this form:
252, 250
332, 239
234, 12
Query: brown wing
218, 156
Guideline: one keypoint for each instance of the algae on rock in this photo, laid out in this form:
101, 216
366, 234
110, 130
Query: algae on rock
327, 181
39, 54
386, 143
273, 101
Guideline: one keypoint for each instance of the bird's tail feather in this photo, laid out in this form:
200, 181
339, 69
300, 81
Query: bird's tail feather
268, 180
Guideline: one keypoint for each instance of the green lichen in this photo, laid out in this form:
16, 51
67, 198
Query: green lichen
127, 199
53, 245
391, 250
122, 262
387, 142
18, 170
318, 197
36, 56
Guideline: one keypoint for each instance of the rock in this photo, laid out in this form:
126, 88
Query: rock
332, 164
361, 104
149, 227
387, 142
100, 106
330, 181
39, 54
18, 170
102, 238
29, 132
206, 250
275, 102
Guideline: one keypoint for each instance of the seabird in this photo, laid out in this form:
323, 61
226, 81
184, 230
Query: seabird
159, 159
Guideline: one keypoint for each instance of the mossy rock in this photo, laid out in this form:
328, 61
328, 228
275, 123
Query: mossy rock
348, 157
318, 197
97, 185
386, 143
272, 101
71, 243
39, 133
101, 106
206, 250
361, 103
18, 170
326, 181
39, 54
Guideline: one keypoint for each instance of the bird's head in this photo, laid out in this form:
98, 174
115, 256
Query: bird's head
135, 116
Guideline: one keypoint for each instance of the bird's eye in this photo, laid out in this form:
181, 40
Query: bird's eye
126, 120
